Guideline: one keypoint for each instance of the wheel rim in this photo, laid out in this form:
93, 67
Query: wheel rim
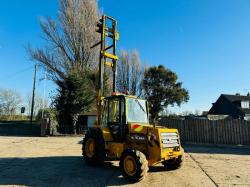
90, 147
130, 165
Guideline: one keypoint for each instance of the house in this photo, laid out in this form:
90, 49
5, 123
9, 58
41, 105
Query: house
235, 106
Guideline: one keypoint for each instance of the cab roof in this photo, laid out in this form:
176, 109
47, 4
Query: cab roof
117, 94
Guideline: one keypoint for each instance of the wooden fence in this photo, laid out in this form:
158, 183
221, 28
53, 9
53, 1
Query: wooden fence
215, 132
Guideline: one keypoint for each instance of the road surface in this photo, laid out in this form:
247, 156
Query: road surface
57, 161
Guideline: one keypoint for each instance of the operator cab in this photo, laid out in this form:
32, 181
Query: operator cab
119, 110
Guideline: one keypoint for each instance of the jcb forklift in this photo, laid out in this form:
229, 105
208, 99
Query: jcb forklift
122, 131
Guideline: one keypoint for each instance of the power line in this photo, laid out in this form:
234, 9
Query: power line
10, 76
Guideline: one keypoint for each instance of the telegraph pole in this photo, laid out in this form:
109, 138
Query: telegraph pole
33, 97
44, 93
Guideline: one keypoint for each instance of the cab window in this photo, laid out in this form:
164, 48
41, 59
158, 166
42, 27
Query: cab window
114, 111
105, 113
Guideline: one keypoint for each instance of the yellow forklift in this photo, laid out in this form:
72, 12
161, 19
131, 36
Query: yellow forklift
122, 131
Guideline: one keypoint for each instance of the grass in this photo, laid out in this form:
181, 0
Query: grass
14, 118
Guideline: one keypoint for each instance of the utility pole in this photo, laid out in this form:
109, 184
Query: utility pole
44, 93
33, 97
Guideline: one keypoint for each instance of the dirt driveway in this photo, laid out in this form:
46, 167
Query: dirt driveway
57, 161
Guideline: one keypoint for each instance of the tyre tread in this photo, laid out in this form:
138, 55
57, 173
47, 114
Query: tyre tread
142, 164
99, 157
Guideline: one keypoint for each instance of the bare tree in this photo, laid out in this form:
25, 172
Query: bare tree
130, 73
186, 113
10, 101
68, 57
1, 109
38, 104
197, 112
69, 41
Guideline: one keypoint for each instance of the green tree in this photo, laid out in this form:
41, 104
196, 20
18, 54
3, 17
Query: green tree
161, 89
72, 99
67, 56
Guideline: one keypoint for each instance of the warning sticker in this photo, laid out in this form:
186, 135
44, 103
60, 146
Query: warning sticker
137, 128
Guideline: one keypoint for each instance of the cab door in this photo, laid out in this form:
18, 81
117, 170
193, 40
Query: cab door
116, 115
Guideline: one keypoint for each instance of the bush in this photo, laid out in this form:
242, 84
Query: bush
52, 115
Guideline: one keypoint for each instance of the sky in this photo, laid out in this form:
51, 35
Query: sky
207, 43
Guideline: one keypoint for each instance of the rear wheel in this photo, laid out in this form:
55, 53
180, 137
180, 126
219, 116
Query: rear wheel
93, 147
133, 165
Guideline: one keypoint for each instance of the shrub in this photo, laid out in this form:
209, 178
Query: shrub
52, 115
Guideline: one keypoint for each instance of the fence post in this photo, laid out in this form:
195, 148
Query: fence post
182, 127
213, 132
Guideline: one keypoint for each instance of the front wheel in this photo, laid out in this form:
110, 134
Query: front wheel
133, 165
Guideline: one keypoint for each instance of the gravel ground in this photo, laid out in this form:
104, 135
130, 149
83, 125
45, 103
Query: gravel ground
57, 161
